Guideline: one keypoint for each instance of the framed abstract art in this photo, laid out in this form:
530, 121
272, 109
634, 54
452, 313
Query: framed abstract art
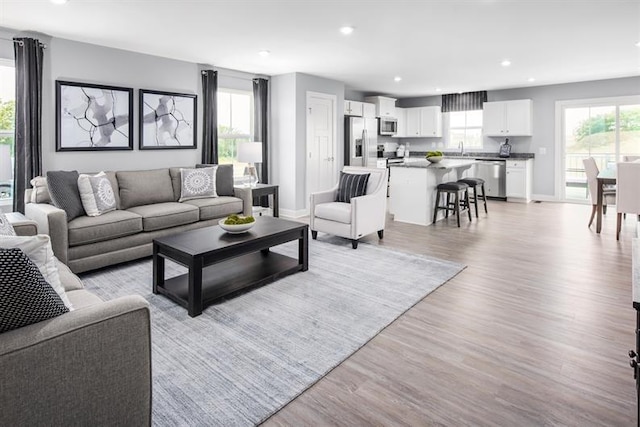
167, 120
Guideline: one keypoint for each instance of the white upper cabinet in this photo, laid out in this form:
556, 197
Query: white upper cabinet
353, 108
385, 107
401, 115
423, 122
431, 121
368, 110
507, 118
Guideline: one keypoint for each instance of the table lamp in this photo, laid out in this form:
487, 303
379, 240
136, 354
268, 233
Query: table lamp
250, 153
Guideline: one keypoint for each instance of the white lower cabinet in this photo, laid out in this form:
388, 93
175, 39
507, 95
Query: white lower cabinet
519, 179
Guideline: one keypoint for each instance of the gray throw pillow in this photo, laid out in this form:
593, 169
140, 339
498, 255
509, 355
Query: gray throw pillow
144, 187
351, 185
25, 297
224, 179
6, 229
198, 183
63, 188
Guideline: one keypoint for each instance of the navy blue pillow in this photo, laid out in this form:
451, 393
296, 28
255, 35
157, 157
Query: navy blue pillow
351, 185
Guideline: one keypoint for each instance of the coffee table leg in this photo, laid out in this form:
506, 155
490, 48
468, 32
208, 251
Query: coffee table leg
158, 269
303, 249
195, 287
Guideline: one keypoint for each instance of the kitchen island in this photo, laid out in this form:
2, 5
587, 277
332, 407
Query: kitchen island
412, 186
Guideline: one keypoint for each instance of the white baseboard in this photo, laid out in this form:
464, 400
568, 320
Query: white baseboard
290, 213
544, 198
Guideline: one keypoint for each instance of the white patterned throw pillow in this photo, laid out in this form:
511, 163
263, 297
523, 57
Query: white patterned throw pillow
6, 229
198, 183
96, 194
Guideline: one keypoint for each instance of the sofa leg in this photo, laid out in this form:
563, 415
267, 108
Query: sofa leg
314, 234
354, 243
380, 234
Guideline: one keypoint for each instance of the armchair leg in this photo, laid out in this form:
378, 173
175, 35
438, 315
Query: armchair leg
354, 243
380, 234
314, 234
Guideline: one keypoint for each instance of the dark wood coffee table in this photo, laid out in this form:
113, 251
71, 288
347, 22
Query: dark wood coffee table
220, 263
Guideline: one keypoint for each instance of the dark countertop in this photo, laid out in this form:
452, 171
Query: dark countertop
479, 155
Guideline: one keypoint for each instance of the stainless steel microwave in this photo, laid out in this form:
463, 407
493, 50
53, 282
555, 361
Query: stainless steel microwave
387, 126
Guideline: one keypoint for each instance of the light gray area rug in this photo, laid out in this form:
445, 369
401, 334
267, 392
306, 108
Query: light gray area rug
246, 357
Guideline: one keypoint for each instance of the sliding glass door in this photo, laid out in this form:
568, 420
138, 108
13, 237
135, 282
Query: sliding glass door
607, 130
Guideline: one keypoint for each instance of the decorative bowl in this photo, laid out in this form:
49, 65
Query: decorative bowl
235, 228
434, 159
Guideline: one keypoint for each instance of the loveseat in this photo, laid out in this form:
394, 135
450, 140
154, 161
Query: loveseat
148, 207
90, 366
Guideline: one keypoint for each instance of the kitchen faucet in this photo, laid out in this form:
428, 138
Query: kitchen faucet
461, 147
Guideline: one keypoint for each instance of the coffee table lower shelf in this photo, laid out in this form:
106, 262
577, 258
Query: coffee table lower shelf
230, 276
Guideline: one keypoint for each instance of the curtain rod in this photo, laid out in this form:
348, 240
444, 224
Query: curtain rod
21, 43
236, 76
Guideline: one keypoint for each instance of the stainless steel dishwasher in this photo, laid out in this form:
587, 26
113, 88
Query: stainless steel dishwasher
494, 173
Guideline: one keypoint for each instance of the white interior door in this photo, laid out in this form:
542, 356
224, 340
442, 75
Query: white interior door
321, 142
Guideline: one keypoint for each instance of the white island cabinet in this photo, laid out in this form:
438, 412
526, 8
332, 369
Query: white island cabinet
412, 187
519, 178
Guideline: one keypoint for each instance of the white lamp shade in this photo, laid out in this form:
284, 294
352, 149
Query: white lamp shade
250, 152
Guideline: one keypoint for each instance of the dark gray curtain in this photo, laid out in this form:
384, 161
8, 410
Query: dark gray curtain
210, 113
28, 129
260, 119
463, 101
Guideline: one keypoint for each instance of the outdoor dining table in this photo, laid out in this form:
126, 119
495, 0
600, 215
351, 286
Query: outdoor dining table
605, 177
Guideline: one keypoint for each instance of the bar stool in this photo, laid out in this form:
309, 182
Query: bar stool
454, 188
474, 183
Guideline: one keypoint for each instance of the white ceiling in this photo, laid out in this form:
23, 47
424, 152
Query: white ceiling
455, 45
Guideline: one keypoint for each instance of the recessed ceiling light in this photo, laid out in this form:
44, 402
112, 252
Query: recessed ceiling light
505, 63
58, 1
346, 30
438, 89
638, 44
531, 79
397, 79
264, 53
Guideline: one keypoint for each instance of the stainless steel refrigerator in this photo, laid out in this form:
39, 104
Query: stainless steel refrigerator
360, 141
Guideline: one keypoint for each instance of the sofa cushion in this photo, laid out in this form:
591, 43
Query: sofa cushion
25, 297
334, 211
197, 183
224, 179
96, 193
165, 215
217, 207
138, 188
63, 189
111, 225
176, 182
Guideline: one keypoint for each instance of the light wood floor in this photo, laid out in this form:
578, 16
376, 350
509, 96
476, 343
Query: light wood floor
535, 331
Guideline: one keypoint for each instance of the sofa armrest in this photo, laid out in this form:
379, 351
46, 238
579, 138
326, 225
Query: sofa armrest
91, 366
51, 221
22, 225
244, 193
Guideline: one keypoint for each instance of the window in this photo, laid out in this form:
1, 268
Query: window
465, 127
7, 120
234, 125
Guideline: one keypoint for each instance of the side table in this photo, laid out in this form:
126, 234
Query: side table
265, 190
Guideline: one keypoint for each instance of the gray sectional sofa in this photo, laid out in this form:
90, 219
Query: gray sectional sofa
90, 366
147, 208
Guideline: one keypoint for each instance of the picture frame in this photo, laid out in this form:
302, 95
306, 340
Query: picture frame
93, 117
168, 120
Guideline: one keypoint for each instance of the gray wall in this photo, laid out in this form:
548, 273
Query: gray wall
289, 133
544, 123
